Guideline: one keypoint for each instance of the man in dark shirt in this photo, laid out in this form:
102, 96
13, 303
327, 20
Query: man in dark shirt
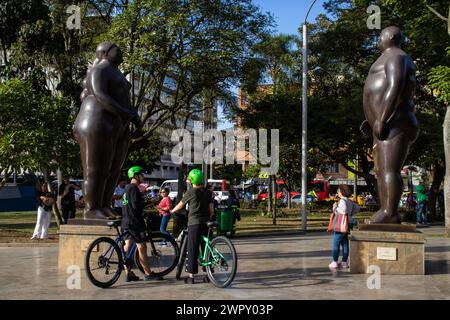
234, 205
201, 210
133, 222
67, 193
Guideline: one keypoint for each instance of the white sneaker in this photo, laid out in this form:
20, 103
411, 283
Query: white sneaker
344, 265
333, 265
34, 238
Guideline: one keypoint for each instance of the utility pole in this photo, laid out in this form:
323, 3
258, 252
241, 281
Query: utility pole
355, 181
305, 119
211, 121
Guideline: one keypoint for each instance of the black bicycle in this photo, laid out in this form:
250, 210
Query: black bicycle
219, 257
106, 258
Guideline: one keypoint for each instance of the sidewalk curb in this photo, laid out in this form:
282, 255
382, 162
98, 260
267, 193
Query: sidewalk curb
275, 233
28, 245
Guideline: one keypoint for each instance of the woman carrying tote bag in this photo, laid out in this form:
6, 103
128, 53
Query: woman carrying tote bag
341, 222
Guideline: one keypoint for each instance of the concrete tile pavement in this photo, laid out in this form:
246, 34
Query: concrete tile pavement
280, 267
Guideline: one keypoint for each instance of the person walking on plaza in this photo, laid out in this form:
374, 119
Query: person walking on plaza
67, 193
201, 210
133, 222
164, 211
118, 196
422, 200
233, 205
44, 213
341, 223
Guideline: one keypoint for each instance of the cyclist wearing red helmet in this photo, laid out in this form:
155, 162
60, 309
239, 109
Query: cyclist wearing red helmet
201, 210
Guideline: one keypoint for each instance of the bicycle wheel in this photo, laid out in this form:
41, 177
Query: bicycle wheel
222, 262
103, 262
182, 259
162, 255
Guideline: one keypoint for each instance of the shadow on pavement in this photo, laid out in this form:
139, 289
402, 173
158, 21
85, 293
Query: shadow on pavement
281, 255
436, 267
285, 278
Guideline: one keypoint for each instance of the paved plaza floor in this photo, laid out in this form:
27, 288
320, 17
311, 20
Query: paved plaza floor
270, 267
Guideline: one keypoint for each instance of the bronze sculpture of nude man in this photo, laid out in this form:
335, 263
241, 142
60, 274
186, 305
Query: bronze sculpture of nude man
102, 130
389, 110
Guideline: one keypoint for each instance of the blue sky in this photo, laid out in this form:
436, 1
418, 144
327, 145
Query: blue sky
289, 16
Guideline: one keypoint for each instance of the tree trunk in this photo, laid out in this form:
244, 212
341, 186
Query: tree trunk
447, 170
57, 214
6, 176
179, 221
274, 197
370, 179
55, 210
438, 176
289, 202
5, 53
269, 196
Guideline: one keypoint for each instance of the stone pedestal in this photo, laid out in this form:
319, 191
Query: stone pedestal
395, 249
75, 237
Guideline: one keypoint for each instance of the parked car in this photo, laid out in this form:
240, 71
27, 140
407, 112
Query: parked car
264, 196
173, 188
297, 199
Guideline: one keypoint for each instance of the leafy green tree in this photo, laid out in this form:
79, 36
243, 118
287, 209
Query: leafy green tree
182, 56
252, 171
439, 80
35, 131
274, 60
199, 45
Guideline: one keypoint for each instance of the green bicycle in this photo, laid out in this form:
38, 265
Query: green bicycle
219, 258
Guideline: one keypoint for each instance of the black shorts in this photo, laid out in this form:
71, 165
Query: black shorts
139, 236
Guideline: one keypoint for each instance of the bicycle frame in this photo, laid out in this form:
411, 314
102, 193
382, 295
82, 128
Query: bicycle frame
202, 256
119, 240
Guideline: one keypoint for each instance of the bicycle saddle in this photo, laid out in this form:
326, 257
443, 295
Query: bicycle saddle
114, 223
212, 224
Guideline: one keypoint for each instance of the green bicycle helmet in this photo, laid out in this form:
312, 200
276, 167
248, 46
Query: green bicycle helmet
196, 176
133, 170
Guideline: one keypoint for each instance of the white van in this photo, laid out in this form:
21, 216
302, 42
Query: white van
218, 186
173, 188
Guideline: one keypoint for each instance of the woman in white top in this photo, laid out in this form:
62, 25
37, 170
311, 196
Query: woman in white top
340, 239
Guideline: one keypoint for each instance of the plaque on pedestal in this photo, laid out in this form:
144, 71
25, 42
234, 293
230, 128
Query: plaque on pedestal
395, 249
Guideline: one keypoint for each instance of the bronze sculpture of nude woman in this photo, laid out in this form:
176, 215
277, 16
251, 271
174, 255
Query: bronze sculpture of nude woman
102, 129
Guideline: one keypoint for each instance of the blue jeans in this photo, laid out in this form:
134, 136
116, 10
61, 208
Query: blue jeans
163, 226
339, 239
422, 209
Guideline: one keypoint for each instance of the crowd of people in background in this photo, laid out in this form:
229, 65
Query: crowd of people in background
160, 200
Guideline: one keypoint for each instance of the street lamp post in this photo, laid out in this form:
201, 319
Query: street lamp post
305, 119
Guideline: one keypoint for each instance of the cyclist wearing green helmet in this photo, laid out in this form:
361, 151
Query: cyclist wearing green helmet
201, 210
133, 222
196, 177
